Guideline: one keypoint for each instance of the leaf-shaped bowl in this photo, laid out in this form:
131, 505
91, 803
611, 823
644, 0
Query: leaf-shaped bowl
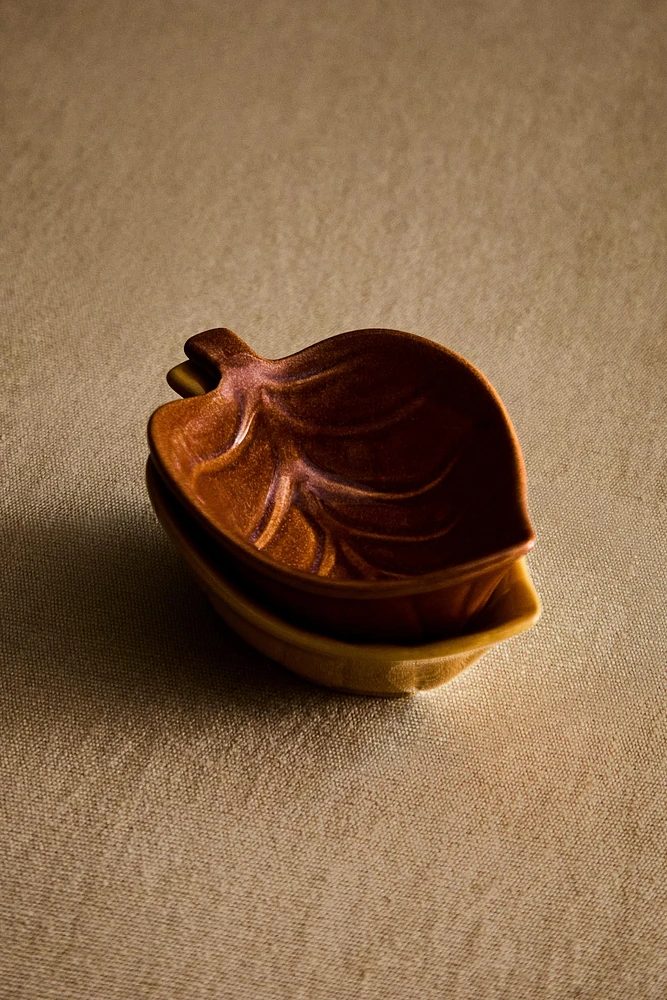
369, 487
361, 668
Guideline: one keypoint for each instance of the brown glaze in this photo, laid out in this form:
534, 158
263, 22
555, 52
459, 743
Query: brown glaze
369, 487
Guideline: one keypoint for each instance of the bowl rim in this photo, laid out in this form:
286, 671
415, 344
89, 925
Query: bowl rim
359, 589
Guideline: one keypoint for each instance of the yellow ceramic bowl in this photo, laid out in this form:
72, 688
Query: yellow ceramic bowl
357, 668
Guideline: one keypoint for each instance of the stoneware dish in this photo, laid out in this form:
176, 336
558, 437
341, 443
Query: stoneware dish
369, 488
361, 668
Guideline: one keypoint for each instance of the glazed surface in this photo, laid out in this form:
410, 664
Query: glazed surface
374, 455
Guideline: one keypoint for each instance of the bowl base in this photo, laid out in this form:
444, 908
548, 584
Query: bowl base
355, 668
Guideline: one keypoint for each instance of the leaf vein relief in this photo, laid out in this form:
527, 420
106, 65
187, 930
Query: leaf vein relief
367, 456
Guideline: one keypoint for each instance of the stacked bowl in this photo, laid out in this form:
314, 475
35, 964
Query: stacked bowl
356, 511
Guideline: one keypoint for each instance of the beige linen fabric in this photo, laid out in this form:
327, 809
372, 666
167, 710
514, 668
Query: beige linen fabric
181, 818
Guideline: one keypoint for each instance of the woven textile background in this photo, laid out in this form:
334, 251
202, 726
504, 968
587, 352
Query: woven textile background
180, 817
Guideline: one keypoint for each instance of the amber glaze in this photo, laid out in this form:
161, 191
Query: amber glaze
369, 487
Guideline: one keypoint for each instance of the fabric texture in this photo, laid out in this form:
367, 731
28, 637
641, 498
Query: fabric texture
180, 817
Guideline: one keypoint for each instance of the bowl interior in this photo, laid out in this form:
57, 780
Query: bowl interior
374, 455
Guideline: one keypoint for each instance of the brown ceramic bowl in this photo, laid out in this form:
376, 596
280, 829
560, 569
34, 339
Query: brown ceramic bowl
369, 487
